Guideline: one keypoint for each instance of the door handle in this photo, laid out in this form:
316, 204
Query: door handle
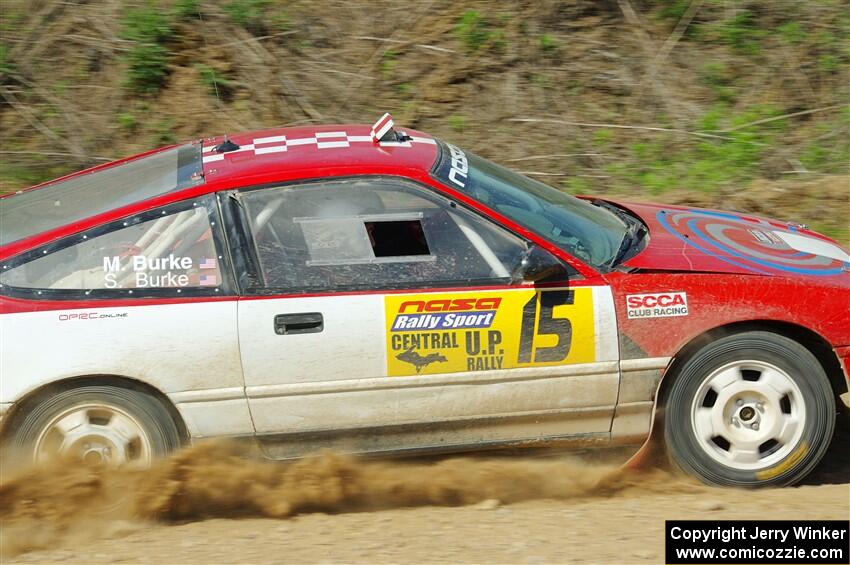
305, 323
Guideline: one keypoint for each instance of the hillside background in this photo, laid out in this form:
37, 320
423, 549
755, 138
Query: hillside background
733, 104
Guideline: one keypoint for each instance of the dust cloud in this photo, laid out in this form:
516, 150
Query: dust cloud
43, 506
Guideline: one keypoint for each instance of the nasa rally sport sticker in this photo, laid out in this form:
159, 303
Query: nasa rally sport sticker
657, 305
488, 330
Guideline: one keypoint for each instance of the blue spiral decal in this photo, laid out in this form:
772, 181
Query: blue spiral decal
753, 245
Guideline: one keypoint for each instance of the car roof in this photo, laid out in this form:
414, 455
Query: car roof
267, 156
310, 148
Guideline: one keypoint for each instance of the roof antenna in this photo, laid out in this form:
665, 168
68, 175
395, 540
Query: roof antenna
225, 146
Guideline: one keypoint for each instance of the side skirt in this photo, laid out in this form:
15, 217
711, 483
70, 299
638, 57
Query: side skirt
538, 429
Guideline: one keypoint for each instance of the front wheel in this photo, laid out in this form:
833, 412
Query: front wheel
749, 410
97, 424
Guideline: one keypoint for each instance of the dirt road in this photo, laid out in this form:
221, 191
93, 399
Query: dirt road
590, 531
212, 506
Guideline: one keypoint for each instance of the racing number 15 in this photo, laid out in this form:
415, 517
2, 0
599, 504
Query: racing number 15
548, 325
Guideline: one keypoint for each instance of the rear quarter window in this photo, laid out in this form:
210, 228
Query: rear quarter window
30, 212
173, 250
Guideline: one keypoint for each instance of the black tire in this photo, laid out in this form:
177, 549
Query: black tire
152, 417
693, 456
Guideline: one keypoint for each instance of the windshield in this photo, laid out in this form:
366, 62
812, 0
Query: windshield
588, 232
31, 212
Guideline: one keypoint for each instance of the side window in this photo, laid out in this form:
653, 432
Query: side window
374, 233
156, 252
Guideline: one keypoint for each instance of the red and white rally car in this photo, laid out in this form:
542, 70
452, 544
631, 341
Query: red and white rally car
378, 290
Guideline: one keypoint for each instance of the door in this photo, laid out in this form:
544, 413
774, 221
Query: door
385, 317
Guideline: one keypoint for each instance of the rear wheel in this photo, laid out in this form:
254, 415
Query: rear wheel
97, 424
751, 409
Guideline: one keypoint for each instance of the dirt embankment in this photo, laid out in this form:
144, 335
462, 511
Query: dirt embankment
217, 503
639, 99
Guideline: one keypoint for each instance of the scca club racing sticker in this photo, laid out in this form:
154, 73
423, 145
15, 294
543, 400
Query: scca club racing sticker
754, 245
489, 330
658, 305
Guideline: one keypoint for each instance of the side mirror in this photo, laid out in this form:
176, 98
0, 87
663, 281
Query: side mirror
539, 265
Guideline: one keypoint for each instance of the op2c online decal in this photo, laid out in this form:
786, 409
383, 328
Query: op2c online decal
488, 330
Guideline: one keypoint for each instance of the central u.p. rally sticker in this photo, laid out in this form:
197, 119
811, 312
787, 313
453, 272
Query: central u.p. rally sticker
488, 330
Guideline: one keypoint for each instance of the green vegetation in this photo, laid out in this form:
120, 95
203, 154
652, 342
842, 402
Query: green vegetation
577, 185
717, 76
673, 9
473, 30
146, 24
548, 45
498, 40
127, 121
249, 14
388, 63
147, 60
217, 84
186, 9
826, 151
540, 80
740, 150
742, 33
792, 32
6, 67
163, 132
280, 22
733, 155
10, 20
148, 68
602, 137
456, 123
828, 63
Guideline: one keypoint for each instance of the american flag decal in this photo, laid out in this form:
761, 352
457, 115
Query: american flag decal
209, 280
207, 263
